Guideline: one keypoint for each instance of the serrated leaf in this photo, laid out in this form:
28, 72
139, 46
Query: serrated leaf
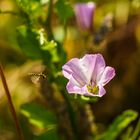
38, 116
48, 46
28, 42
51, 48
120, 123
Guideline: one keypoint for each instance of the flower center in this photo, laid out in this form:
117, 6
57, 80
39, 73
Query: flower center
92, 89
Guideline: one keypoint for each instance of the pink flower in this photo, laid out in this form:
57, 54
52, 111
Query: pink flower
88, 75
84, 15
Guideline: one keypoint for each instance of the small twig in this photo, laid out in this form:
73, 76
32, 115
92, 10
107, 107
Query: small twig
11, 106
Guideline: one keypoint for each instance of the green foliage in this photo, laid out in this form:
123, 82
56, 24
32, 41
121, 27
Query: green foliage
51, 47
33, 10
127, 134
31, 6
85, 99
64, 10
50, 135
34, 45
38, 116
38, 41
48, 46
118, 125
136, 132
132, 133
28, 42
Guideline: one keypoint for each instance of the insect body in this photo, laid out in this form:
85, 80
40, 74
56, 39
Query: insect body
35, 77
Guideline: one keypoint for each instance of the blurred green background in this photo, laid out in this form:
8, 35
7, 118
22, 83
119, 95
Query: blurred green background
120, 46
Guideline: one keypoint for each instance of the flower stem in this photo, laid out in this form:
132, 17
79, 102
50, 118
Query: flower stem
71, 115
51, 37
11, 106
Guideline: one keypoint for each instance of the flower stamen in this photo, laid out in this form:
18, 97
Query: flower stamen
92, 89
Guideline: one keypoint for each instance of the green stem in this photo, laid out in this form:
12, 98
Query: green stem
70, 108
11, 106
65, 32
49, 20
71, 115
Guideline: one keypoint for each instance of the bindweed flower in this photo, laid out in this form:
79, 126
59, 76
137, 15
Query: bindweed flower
84, 15
88, 75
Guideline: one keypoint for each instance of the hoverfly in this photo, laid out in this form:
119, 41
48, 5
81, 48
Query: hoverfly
36, 77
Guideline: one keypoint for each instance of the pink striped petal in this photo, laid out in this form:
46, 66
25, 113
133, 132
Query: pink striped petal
107, 75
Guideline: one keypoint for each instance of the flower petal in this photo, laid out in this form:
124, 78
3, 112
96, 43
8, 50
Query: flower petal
72, 88
83, 70
98, 68
88, 75
107, 75
67, 72
84, 15
102, 91
88, 63
73, 69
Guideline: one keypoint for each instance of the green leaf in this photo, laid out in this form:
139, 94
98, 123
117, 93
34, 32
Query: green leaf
30, 6
28, 42
48, 46
50, 135
132, 133
136, 131
51, 47
118, 125
64, 10
126, 135
38, 116
31, 10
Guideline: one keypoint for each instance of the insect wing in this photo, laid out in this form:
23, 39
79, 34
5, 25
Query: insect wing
35, 78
